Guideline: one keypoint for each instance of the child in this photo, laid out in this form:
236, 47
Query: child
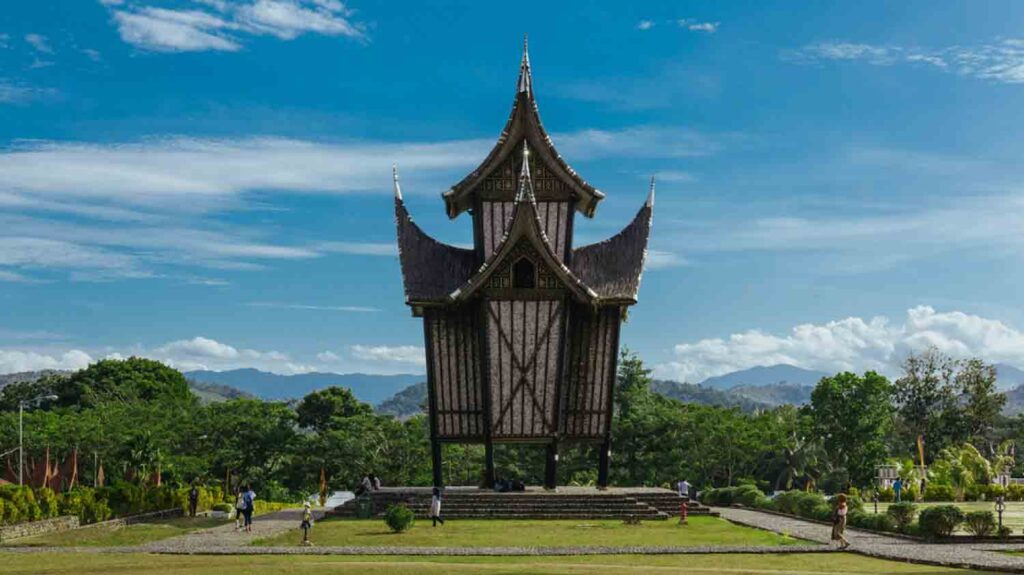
307, 523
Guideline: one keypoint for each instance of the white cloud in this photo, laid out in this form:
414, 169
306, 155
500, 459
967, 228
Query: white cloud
4, 39
359, 248
328, 357
39, 43
851, 344
658, 260
14, 277
1000, 61
645, 25
637, 142
410, 354
14, 361
18, 93
201, 353
223, 25
698, 26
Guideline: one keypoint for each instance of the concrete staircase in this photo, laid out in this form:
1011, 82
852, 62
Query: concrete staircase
566, 503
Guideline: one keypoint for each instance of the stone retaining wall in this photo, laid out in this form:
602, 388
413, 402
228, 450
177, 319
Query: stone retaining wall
130, 519
30, 528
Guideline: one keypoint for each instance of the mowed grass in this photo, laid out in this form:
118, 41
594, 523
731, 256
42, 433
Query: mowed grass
135, 534
532, 533
787, 564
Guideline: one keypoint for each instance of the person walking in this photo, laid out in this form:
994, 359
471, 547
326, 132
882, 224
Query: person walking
307, 523
193, 499
240, 509
683, 487
897, 489
249, 499
435, 507
839, 521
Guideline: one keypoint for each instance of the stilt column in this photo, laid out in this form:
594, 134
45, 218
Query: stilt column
603, 462
551, 467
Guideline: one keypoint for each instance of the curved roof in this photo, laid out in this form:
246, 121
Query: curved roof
612, 268
523, 123
430, 269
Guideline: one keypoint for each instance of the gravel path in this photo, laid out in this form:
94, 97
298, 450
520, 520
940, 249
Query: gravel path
984, 556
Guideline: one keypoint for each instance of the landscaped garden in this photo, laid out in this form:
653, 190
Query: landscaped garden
535, 533
118, 536
736, 564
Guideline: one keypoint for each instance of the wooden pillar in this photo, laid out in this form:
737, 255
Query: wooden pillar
489, 464
435, 456
603, 462
551, 466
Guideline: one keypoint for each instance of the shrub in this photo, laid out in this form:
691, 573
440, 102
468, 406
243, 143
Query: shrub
822, 512
939, 493
399, 518
798, 502
975, 492
980, 523
1004, 532
47, 501
225, 507
747, 495
886, 495
879, 522
910, 493
995, 490
1015, 492
902, 514
940, 521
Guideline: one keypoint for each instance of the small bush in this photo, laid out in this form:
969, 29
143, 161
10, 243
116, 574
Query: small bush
800, 503
225, 507
886, 495
1004, 532
902, 515
939, 493
1015, 492
980, 523
879, 522
747, 495
399, 518
822, 512
910, 493
940, 521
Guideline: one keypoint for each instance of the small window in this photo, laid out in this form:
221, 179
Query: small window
524, 274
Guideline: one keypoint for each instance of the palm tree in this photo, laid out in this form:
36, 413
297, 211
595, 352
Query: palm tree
803, 459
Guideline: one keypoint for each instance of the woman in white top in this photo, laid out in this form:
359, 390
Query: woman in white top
839, 522
435, 507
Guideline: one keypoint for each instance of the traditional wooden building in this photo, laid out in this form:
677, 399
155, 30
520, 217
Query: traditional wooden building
522, 330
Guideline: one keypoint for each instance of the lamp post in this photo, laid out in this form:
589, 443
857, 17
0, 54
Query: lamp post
21, 431
1000, 507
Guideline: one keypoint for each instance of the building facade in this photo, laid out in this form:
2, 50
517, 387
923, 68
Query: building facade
522, 330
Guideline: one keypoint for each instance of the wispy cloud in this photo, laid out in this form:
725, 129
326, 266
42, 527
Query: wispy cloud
359, 248
39, 43
850, 344
695, 25
1000, 61
659, 260
20, 93
645, 25
224, 25
311, 307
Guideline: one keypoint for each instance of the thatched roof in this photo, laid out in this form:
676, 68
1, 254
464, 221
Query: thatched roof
612, 268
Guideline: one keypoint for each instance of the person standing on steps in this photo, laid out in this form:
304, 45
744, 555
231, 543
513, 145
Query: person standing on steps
435, 507
839, 521
683, 486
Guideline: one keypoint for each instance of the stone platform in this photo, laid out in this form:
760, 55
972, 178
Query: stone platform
646, 503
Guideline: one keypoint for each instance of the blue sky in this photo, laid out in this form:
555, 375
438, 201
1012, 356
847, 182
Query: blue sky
208, 181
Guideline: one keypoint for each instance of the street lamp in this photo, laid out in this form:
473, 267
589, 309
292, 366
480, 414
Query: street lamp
21, 431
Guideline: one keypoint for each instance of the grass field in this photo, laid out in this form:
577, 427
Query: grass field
1013, 517
796, 564
534, 533
135, 534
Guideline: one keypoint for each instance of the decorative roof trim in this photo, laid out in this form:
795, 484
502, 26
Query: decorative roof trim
523, 122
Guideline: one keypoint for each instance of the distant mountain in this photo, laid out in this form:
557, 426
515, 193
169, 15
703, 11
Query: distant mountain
405, 403
765, 375
776, 394
27, 376
214, 392
372, 389
1008, 377
694, 393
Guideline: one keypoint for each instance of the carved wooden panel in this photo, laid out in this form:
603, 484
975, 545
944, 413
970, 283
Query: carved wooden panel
455, 372
590, 372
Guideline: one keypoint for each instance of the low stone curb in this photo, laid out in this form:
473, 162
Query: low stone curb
443, 551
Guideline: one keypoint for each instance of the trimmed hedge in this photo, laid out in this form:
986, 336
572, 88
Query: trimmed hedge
902, 515
399, 518
980, 523
935, 492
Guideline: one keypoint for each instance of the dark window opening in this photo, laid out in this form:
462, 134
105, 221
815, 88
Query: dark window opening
524, 274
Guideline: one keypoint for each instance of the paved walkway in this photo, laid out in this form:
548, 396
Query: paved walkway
985, 556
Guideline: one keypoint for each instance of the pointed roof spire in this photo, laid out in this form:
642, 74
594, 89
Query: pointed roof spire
394, 175
525, 181
525, 78
650, 195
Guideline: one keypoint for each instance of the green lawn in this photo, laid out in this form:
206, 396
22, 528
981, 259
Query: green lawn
533, 533
135, 534
796, 564
1013, 517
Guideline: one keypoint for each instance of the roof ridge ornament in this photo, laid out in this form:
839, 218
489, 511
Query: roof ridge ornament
650, 195
525, 83
525, 180
394, 175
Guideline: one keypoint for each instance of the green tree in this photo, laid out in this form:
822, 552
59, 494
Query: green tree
982, 402
927, 402
115, 381
853, 416
318, 409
